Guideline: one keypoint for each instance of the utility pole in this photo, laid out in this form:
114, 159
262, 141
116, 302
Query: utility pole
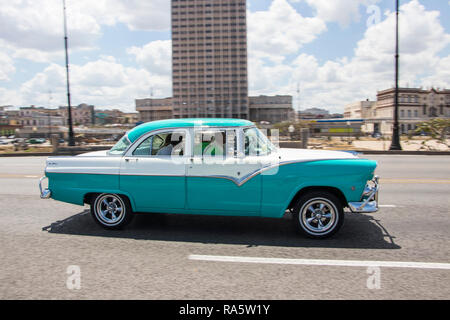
151, 103
298, 101
395, 145
69, 108
49, 116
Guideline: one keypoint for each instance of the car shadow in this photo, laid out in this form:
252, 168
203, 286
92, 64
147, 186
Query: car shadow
358, 231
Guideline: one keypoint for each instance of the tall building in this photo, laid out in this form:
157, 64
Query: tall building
209, 58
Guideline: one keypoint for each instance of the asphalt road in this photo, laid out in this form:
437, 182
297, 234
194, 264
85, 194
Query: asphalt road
152, 258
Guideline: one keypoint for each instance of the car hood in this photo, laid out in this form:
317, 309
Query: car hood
311, 155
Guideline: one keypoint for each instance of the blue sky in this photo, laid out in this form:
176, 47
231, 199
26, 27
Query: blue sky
120, 50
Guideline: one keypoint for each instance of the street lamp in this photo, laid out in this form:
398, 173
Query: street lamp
395, 145
348, 132
69, 108
291, 130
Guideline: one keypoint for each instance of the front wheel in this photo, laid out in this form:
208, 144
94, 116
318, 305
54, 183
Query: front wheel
318, 214
111, 211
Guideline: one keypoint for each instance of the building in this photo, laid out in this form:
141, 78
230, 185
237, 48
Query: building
8, 126
103, 117
317, 113
359, 110
82, 114
273, 109
129, 118
38, 117
12, 116
209, 59
154, 109
416, 105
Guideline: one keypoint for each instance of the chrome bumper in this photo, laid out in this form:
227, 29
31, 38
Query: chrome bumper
45, 193
369, 201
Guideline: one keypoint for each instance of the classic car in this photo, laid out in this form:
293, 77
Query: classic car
213, 167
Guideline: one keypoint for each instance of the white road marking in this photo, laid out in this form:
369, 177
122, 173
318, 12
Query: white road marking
31, 176
387, 206
320, 262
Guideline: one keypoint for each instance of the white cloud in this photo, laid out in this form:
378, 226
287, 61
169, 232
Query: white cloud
280, 31
145, 15
333, 84
6, 67
39, 25
341, 11
104, 83
34, 29
154, 56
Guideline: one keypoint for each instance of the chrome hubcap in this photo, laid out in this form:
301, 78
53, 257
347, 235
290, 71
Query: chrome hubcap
318, 215
110, 208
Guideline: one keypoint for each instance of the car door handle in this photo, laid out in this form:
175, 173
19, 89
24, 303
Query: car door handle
131, 159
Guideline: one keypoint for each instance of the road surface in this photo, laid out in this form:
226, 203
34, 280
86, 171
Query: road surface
46, 245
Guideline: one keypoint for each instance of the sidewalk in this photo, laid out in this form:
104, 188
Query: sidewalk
410, 145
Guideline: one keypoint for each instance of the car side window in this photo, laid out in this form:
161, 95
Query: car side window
215, 143
256, 143
144, 148
162, 144
231, 145
209, 143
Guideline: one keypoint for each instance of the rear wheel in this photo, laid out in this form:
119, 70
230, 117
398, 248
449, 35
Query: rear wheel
111, 211
318, 214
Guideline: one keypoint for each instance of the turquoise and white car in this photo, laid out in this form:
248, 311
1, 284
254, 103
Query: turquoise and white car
213, 167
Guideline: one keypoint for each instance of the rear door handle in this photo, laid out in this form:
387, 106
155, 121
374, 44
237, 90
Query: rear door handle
131, 159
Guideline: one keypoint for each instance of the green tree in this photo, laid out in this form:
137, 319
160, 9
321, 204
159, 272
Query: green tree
437, 128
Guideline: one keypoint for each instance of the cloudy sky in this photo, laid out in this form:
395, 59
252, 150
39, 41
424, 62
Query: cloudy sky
336, 51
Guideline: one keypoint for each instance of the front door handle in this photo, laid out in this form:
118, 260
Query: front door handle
131, 159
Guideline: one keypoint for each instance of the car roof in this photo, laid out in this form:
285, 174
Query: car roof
138, 131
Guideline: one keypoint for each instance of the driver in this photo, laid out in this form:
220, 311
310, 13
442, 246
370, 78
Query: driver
169, 145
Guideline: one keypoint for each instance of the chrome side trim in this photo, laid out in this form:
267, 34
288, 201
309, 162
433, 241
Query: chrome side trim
369, 203
238, 181
45, 193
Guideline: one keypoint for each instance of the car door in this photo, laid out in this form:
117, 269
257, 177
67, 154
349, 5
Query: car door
153, 172
219, 179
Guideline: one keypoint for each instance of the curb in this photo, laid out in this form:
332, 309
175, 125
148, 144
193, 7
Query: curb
404, 153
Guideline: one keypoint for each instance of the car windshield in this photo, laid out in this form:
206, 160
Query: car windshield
121, 146
257, 143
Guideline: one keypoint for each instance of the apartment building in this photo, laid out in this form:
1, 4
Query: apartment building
154, 109
209, 58
273, 109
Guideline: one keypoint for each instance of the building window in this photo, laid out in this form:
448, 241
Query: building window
433, 112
